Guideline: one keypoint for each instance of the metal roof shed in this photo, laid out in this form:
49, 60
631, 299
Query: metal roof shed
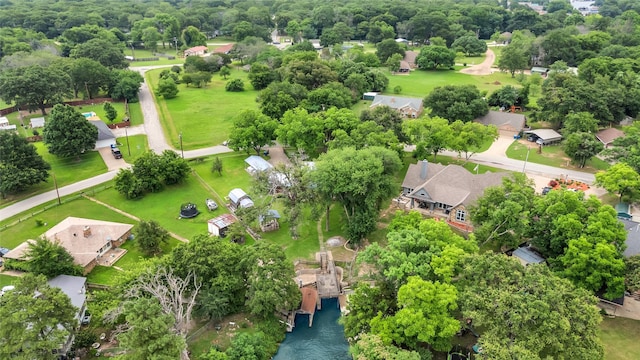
546, 136
527, 256
256, 163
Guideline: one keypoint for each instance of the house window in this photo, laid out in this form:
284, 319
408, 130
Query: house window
460, 215
442, 206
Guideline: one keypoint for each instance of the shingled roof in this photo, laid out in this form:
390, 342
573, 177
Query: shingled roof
607, 136
396, 102
452, 184
501, 118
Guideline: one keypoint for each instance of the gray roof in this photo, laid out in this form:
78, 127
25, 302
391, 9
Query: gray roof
396, 102
501, 118
104, 133
73, 287
527, 256
271, 214
545, 134
633, 237
236, 195
539, 69
37, 122
452, 184
223, 221
258, 163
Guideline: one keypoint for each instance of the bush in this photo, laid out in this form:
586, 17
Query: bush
176, 69
397, 89
40, 222
235, 85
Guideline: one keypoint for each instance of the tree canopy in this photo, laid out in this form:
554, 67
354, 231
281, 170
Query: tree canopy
20, 164
67, 133
456, 102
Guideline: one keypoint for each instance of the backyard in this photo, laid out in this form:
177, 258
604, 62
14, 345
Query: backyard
552, 155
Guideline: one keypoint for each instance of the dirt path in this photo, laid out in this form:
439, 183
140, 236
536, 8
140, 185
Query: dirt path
484, 68
173, 235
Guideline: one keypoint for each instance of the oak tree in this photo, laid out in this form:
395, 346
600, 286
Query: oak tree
68, 133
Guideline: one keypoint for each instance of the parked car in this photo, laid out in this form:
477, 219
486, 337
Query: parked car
116, 153
211, 205
6, 289
545, 190
532, 138
86, 318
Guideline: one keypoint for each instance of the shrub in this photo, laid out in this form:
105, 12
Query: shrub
40, 222
235, 85
397, 89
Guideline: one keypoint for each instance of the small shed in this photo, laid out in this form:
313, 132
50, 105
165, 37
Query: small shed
196, 51
37, 122
105, 136
545, 136
8, 127
607, 136
527, 256
4, 121
624, 210
269, 221
219, 225
257, 164
239, 199
369, 96
540, 70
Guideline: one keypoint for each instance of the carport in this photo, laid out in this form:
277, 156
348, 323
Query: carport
545, 136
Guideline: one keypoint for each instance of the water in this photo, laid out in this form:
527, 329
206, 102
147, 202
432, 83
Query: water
323, 341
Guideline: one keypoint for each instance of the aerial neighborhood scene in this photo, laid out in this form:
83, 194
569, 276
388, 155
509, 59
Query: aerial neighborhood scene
267, 179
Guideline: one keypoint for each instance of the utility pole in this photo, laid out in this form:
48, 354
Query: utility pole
181, 150
127, 136
55, 183
526, 159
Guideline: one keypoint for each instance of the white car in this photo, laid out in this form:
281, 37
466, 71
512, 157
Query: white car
6, 289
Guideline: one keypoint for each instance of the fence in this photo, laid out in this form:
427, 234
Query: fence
15, 108
64, 200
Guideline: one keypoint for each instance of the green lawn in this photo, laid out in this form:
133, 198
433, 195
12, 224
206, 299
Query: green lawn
551, 155
138, 145
420, 83
103, 275
7, 280
620, 338
203, 115
28, 229
161, 54
470, 60
67, 171
233, 175
164, 207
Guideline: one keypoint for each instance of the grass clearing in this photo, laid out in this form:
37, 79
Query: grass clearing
205, 115
7, 280
420, 83
137, 144
67, 171
470, 60
620, 338
552, 155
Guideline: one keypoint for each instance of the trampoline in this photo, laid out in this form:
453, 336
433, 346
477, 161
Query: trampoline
188, 210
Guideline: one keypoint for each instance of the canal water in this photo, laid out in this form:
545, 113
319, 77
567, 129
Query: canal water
324, 340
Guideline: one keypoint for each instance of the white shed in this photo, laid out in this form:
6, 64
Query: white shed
37, 122
4, 121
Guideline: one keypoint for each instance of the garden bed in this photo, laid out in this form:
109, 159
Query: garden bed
557, 184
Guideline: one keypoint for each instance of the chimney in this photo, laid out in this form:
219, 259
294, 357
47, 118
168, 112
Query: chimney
86, 231
423, 169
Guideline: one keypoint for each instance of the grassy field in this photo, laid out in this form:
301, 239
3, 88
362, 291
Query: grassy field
470, 60
203, 115
138, 145
420, 83
67, 171
620, 338
552, 156
161, 54
6, 280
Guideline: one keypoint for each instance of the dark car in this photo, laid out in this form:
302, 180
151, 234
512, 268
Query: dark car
116, 153
532, 138
545, 190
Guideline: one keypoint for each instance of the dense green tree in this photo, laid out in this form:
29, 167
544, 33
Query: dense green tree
260, 75
67, 133
111, 112
386, 48
380, 31
329, 95
595, 265
371, 347
456, 102
234, 85
504, 97
47, 311
632, 273
393, 63
625, 149
581, 147
125, 85
247, 346
432, 57
359, 180
20, 164
35, 86
470, 136
89, 76
388, 118
503, 219
429, 249
49, 259
191, 37
150, 38
217, 166
251, 131
520, 313
279, 97
364, 304
167, 88
470, 45
425, 315
430, 135
583, 122
150, 236
620, 179
310, 74
225, 71
102, 51
150, 334
270, 285
128, 185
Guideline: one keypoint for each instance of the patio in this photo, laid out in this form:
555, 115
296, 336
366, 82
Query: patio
111, 256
